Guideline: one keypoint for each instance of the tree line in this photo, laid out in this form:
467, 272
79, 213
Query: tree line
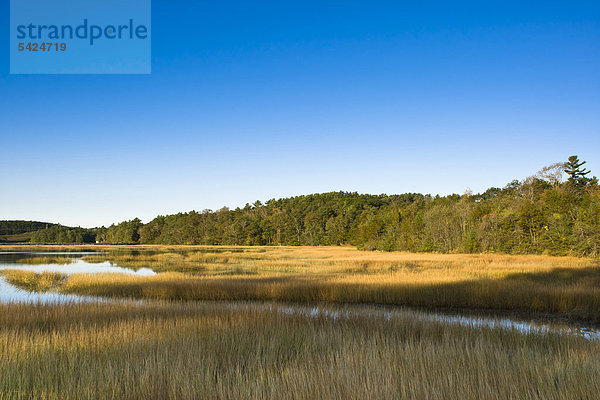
544, 213
64, 234
17, 227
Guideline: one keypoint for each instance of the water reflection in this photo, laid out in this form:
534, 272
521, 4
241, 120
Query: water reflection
12, 294
80, 267
10, 260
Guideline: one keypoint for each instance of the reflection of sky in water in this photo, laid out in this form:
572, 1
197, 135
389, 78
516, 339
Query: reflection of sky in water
8, 260
12, 294
80, 267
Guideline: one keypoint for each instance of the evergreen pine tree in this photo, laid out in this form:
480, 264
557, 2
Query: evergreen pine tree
577, 175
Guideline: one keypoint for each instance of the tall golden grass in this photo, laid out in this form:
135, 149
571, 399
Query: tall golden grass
186, 349
32, 281
212, 351
568, 286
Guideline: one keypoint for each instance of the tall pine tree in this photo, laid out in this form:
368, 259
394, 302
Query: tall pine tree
577, 175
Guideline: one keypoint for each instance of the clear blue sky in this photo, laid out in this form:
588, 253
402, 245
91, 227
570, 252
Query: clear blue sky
256, 100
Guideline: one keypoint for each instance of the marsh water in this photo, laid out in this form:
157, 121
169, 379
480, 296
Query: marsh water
34, 261
26, 261
77, 265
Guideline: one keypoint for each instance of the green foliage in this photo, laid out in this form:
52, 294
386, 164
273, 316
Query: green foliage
540, 215
16, 227
16, 238
64, 234
577, 175
126, 232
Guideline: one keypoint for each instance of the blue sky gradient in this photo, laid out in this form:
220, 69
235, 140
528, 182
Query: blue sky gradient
259, 100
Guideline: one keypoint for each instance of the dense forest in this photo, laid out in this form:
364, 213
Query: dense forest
544, 213
16, 227
64, 234
44, 232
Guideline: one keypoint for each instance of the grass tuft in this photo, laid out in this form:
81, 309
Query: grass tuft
33, 281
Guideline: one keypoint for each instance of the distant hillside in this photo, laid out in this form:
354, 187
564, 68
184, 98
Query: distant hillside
43, 232
17, 227
59, 234
16, 238
542, 214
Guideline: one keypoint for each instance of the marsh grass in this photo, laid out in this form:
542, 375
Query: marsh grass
198, 351
173, 347
568, 286
33, 281
45, 260
579, 301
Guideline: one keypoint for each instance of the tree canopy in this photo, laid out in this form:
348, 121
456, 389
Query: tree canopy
541, 214
577, 175
16, 227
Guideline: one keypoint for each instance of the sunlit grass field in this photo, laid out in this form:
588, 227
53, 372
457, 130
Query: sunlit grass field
566, 286
181, 344
158, 350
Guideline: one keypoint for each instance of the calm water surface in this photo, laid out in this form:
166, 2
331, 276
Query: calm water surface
10, 260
